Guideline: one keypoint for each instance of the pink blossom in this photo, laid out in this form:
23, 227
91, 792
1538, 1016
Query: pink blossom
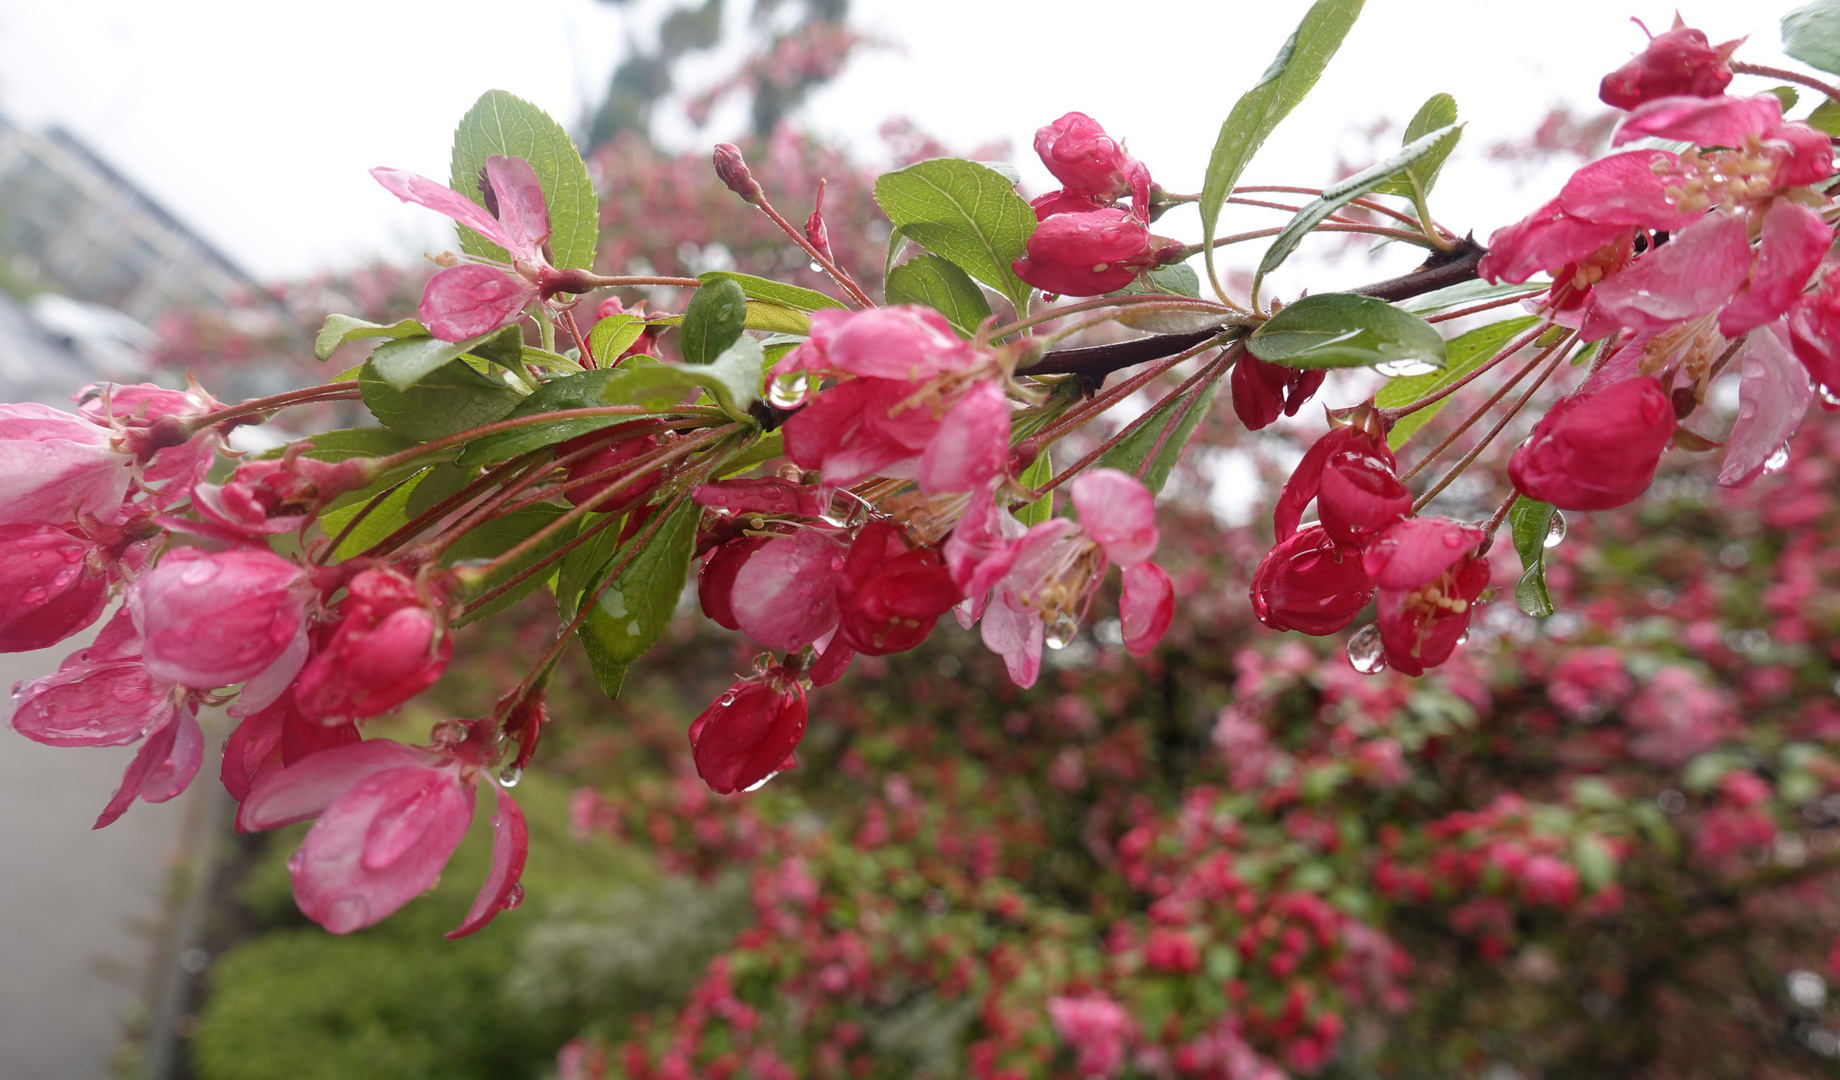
1681, 61
1703, 121
274, 738
1814, 331
147, 418
900, 342
53, 583
1262, 391
715, 582
264, 498
1085, 159
890, 595
1773, 395
163, 767
749, 733
785, 595
99, 696
1550, 881
860, 428
1794, 240
210, 620
388, 645
1118, 512
1097, 1028
1694, 273
1086, 254
1310, 584
1677, 716
1064, 202
971, 447
1596, 451
55, 468
1427, 576
763, 495
1146, 607
1354, 479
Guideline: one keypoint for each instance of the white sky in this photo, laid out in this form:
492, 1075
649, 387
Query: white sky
255, 122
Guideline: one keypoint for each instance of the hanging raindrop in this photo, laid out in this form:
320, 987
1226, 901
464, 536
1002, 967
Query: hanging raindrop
1555, 532
1061, 630
1365, 650
1776, 461
510, 775
760, 783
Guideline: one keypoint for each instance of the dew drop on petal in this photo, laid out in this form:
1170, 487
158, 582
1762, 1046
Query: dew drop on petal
1777, 460
1555, 532
512, 898
33, 596
762, 782
726, 699
1061, 630
1365, 650
1827, 395
1404, 368
510, 775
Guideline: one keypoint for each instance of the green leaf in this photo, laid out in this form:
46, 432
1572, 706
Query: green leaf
1812, 35
1436, 145
404, 363
1186, 413
942, 286
769, 446
614, 335
556, 362
1826, 117
713, 320
1469, 292
1039, 472
774, 292
1596, 866
389, 515
1177, 280
436, 485
342, 443
966, 212
455, 397
1463, 354
1439, 111
499, 123
583, 391
776, 318
493, 538
631, 614
580, 565
1331, 330
1786, 95
342, 329
1528, 522
1299, 63
733, 380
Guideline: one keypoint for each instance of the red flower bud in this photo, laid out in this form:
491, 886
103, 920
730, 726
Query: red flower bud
889, 596
1354, 479
1306, 583
608, 460
733, 172
1679, 62
1596, 451
1262, 390
1086, 254
388, 647
748, 733
715, 584
1084, 158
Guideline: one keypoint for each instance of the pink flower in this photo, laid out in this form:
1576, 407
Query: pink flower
1773, 395
1814, 331
1118, 513
1146, 607
1309, 584
785, 594
264, 498
1086, 160
1427, 575
1692, 274
749, 733
1097, 1028
274, 738
55, 468
1086, 254
466, 301
53, 583
210, 620
1354, 479
1794, 240
901, 342
860, 428
1681, 61
1262, 390
1064, 202
890, 595
971, 448
1596, 451
388, 645
1550, 881
715, 582
389, 817
154, 424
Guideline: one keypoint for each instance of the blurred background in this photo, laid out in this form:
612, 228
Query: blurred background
1526, 865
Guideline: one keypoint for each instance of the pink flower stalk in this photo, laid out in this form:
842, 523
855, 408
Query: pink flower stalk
1086, 254
388, 645
1309, 584
1097, 1028
1263, 391
1087, 161
56, 468
1427, 575
1595, 451
1681, 61
890, 595
53, 583
389, 817
210, 620
748, 735
1354, 479
475, 298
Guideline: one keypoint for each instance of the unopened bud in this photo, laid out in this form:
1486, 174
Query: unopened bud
733, 172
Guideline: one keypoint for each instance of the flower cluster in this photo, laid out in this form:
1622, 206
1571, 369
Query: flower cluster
1085, 245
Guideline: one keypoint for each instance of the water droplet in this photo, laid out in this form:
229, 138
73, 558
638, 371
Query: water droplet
73, 555
817, 267
448, 734
760, 783
836, 562
1828, 395
786, 391
1365, 650
1061, 630
33, 597
198, 572
726, 699
1776, 461
510, 775
513, 898
1404, 368
1463, 638
1555, 532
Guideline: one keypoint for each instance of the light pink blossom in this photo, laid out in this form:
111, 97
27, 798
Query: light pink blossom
210, 620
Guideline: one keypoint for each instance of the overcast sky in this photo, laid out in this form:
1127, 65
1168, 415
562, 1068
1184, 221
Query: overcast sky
255, 122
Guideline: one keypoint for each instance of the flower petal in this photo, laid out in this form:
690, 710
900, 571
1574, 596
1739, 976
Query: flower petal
510, 847
1146, 607
468, 300
521, 208
1118, 512
307, 787
1773, 393
420, 190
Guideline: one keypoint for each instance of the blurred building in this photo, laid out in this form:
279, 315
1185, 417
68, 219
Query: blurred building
71, 224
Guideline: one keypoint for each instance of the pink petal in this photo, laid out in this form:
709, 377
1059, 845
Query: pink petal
521, 207
175, 774
1146, 606
1417, 550
983, 547
152, 755
1118, 512
1695, 272
1544, 241
468, 300
1626, 189
763, 495
336, 881
440, 198
971, 447
1773, 393
266, 686
1714, 121
1795, 239
1014, 633
1304, 484
785, 596
307, 787
252, 744
510, 846
110, 703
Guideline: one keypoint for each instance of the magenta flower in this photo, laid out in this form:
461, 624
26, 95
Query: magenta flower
1097, 1028
1679, 62
273, 738
1086, 254
971, 448
389, 817
1307, 583
1085, 159
1596, 451
1814, 330
1146, 607
210, 620
265, 498
715, 581
1428, 575
53, 583
748, 735
1263, 391
151, 422
902, 342
388, 645
1773, 395
890, 595
785, 594
56, 468
475, 298
1354, 479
